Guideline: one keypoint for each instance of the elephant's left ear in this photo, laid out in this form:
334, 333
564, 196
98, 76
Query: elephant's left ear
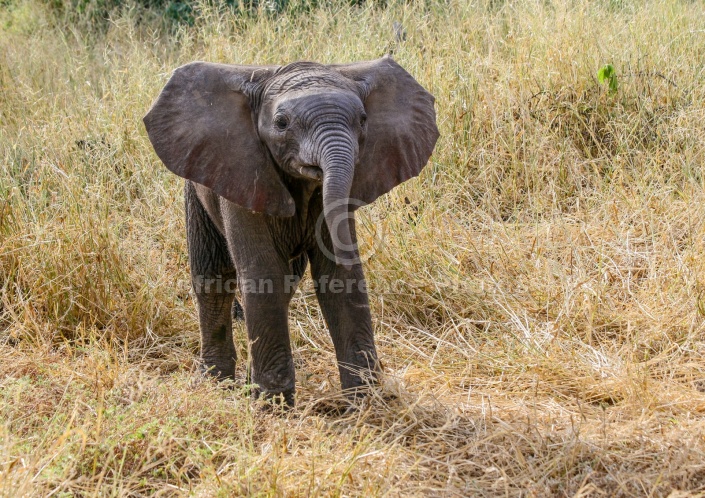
401, 126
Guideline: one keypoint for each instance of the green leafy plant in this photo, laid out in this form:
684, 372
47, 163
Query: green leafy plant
607, 73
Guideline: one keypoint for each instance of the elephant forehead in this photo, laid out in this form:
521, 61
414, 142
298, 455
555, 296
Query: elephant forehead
302, 76
306, 103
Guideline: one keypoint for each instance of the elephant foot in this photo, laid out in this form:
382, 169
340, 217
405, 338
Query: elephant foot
276, 382
283, 399
219, 370
358, 379
360, 395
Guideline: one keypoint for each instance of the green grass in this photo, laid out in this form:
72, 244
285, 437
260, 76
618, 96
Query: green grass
538, 302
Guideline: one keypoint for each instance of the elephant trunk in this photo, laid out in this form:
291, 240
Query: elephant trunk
338, 167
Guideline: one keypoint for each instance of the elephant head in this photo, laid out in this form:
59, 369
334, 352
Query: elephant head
359, 129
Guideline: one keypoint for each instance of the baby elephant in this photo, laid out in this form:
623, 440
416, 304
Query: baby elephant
269, 153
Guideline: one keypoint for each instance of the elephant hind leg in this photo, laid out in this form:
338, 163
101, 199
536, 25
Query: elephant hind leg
214, 281
238, 312
298, 265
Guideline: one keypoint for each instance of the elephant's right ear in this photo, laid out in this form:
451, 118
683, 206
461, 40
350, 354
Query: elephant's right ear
203, 129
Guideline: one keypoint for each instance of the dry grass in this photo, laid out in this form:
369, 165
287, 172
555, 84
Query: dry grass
538, 303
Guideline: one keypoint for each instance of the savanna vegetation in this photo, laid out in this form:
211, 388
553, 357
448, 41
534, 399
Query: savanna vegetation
538, 293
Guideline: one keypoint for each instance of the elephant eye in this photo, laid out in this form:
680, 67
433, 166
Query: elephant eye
281, 122
363, 120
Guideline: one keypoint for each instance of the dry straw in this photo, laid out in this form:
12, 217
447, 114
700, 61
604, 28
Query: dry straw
545, 332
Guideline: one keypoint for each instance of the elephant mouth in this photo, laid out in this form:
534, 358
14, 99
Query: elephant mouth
308, 171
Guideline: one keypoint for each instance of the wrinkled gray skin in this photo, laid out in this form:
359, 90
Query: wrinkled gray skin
266, 151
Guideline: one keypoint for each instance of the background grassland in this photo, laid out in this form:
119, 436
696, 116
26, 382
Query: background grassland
538, 298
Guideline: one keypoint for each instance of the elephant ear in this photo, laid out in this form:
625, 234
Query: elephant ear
203, 129
401, 126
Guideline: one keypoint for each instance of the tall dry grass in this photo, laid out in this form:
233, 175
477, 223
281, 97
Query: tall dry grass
538, 296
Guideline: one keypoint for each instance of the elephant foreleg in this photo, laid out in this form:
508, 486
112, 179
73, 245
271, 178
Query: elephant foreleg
265, 282
342, 295
266, 316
